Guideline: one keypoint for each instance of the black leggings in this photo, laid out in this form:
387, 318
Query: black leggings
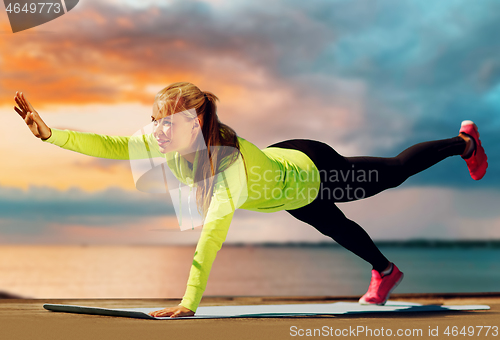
345, 179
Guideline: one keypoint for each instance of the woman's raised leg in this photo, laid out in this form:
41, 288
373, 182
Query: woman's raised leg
353, 178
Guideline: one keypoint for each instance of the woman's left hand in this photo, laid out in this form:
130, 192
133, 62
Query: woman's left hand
173, 312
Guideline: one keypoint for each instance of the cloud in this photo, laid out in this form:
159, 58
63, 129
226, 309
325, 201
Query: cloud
184, 40
44, 215
31, 211
368, 78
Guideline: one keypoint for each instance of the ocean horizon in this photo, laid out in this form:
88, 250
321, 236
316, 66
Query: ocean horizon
264, 269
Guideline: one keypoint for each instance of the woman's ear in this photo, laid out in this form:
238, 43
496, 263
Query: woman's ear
197, 123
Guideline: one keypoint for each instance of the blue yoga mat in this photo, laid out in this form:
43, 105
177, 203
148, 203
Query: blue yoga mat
267, 311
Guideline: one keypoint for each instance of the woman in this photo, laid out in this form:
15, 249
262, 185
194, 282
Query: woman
304, 177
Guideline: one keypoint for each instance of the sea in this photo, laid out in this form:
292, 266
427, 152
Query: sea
145, 271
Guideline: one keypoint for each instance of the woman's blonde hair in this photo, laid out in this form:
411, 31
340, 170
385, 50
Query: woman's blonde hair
183, 96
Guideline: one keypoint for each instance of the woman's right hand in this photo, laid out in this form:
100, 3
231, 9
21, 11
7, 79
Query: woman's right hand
31, 117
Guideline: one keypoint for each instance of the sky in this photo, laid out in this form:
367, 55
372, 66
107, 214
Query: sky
369, 78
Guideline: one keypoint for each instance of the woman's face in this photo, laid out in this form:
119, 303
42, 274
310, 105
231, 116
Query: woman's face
175, 132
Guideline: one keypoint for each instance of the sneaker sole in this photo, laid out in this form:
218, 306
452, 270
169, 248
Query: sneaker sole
390, 291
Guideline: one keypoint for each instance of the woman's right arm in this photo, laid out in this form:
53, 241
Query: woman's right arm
111, 147
103, 146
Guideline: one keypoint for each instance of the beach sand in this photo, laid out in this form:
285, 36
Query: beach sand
27, 319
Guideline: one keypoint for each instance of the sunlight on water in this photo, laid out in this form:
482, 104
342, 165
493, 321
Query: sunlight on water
162, 271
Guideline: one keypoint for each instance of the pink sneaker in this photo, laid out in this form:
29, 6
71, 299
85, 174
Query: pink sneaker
478, 162
381, 287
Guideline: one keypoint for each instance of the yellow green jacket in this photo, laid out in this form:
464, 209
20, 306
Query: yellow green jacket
267, 180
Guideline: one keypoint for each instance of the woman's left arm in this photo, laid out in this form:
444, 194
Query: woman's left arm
212, 236
229, 193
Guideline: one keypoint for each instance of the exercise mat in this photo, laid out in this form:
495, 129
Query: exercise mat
268, 311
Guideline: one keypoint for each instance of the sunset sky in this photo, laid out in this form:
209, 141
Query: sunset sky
367, 77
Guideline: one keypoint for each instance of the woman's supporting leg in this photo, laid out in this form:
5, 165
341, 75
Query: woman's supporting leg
329, 220
352, 178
